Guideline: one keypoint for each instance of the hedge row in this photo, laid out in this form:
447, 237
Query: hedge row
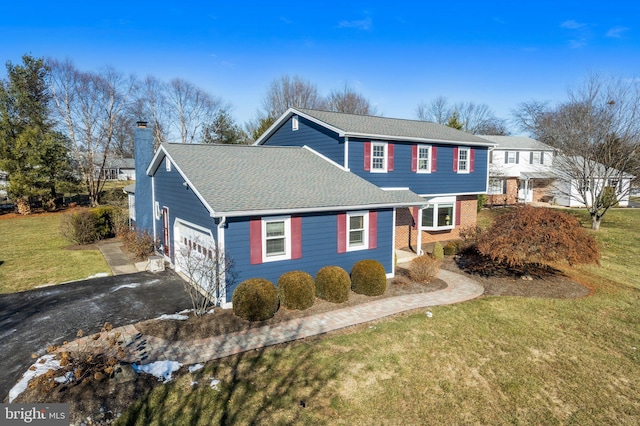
258, 299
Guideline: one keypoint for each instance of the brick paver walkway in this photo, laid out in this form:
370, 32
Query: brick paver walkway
143, 349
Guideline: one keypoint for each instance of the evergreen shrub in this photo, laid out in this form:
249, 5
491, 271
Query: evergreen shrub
297, 290
369, 278
255, 299
333, 284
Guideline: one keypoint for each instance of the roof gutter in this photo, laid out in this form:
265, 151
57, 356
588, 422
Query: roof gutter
273, 212
416, 139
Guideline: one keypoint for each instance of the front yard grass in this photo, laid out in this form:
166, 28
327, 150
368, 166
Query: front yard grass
493, 360
33, 253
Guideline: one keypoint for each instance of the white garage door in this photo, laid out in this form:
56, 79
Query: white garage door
192, 243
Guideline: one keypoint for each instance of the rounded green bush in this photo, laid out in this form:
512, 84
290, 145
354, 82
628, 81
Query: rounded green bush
438, 251
296, 290
333, 284
255, 299
369, 278
450, 248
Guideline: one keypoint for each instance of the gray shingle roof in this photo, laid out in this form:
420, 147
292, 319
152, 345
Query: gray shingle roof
392, 128
517, 142
244, 180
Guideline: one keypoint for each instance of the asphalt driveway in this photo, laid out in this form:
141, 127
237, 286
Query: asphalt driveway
32, 320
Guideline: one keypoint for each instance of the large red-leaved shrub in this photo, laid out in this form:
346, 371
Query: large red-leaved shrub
537, 236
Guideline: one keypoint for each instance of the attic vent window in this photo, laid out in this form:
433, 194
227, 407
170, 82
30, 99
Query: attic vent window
294, 123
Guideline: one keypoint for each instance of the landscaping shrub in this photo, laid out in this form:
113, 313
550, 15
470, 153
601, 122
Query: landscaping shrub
79, 227
438, 251
482, 201
104, 221
333, 284
450, 248
424, 269
296, 290
138, 243
537, 236
369, 278
255, 299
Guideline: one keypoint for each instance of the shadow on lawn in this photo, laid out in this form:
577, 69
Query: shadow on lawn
266, 385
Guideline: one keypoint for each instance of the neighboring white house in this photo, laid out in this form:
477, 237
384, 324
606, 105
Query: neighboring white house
520, 170
524, 170
3, 185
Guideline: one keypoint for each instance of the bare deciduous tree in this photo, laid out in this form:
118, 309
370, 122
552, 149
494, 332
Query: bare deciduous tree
287, 92
348, 101
475, 118
210, 273
89, 105
597, 131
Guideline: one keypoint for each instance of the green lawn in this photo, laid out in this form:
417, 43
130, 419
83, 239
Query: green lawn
33, 253
494, 360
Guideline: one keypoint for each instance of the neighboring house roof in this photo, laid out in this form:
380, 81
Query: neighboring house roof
241, 180
368, 126
130, 189
120, 163
578, 166
517, 143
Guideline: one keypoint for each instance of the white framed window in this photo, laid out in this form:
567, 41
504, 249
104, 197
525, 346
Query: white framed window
496, 186
294, 123
464, 159
424, 159
276, 238
379, 157
615, 184
510, 157
439, 214
357, 230
536, 157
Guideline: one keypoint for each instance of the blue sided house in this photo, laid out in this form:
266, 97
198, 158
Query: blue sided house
446, 167
269, 209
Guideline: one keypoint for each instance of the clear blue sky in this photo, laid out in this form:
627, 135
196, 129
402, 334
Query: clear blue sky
395, 53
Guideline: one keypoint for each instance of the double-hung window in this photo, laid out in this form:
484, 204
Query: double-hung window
357, 230
536, 157
464, 159
424, 159
378, 157
276, 238
510, 157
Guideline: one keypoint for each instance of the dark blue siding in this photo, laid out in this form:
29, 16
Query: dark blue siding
182, 203
319, 248
443, 181
314, 136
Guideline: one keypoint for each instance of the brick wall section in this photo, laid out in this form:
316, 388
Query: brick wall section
406, 235
512, 194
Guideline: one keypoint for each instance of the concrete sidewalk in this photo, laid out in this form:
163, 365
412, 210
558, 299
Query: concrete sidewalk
116, 257
144, 349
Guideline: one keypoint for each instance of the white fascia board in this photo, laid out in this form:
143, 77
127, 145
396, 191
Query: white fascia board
325, 158
417, 139
317, 209
155, 163
451, 194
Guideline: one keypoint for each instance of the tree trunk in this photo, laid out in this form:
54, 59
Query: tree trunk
595, 222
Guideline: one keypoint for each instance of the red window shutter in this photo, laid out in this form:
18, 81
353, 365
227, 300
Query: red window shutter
390, 159
458, 212
296, 237
373, 229
434, 158
367, 156
342, 232
472, 159
414, 158
455, 159
255, 241
414, 213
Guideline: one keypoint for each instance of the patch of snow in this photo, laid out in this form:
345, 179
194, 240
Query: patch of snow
98, 275
194, 383
195, 367
177, 317
66, 378
42, 365
120, 287
160, 369
215, 383
429, 314
185, 311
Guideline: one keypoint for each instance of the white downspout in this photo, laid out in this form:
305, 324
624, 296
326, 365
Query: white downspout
419, 251
221, 253
346, 153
